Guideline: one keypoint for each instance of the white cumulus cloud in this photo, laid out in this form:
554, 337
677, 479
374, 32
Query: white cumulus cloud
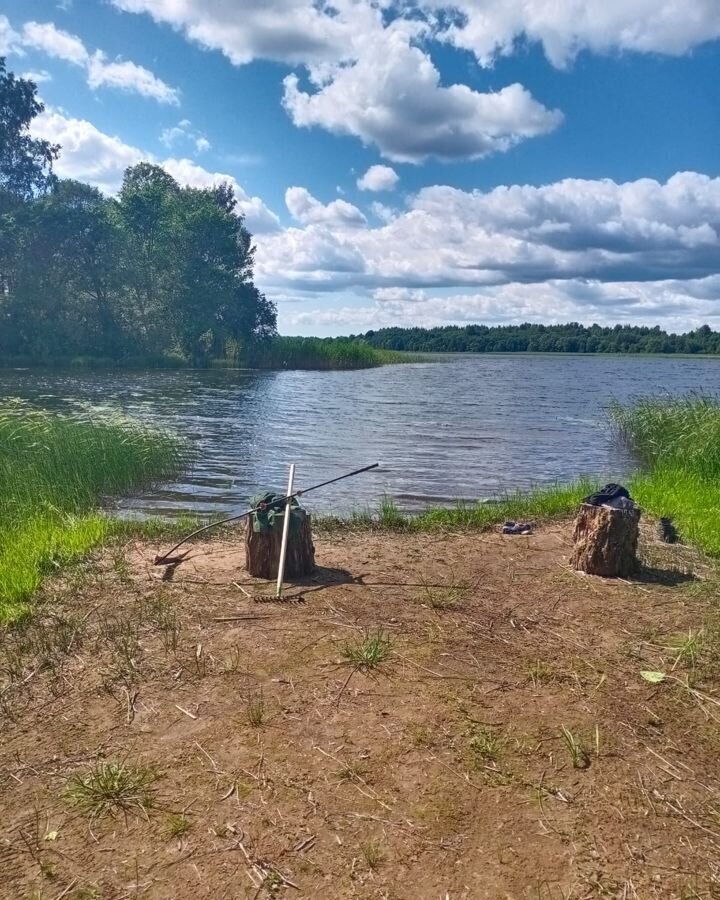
379, 178
492, 27
55, 42
391, 96
128, 76
37, 76
448, 238
371, 76
307, 210
9, 38
122, 75
288, 31
89, 154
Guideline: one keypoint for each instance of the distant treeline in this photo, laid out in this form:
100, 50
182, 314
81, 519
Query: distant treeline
530, 338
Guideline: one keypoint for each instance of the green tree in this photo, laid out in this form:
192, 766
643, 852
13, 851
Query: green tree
25, 162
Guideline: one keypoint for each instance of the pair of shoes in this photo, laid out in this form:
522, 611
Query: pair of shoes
517, 528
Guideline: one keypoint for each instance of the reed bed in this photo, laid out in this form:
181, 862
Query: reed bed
320, 353
678, 442
55, 471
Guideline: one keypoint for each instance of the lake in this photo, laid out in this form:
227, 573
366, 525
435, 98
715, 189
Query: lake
464, 427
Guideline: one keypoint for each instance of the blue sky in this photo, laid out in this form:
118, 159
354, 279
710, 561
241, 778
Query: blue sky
407, 163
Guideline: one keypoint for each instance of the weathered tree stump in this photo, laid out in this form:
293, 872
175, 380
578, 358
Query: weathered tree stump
262, 550
605, 541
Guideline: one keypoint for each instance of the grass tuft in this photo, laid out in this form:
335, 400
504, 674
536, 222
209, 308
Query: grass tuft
255, 710
110, 787
373, 854
485, 746
321, 353
368, 653
178, 825
578, 754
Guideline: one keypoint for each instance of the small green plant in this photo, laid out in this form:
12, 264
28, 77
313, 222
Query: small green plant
449, 597
112, 786
372, 854
85, 893
47, 870
351, 771
390, 516
421, 735
578, 754
368, 653
485, 746
121, 567
255, 709
178, 824
539, 672
687, 648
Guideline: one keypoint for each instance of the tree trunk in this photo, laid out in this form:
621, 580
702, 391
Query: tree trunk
605, 541
262, 550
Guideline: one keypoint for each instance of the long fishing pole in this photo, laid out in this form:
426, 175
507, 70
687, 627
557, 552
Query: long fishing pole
166, 559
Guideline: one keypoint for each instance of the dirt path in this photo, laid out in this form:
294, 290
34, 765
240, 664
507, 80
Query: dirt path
430, 717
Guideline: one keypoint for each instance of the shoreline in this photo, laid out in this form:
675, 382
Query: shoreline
393, 357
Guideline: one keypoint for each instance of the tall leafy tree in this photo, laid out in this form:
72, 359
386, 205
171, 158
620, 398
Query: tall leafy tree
160, 270
218, 302
25, 162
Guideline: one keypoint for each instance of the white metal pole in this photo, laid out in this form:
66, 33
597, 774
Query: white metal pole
286, 531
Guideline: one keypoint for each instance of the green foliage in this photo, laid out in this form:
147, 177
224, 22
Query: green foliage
484, 746
532, 338
54, 470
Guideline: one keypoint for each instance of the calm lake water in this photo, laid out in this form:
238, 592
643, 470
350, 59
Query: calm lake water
466, 428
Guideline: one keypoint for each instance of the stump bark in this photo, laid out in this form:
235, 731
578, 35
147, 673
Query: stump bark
262, 550
605, 541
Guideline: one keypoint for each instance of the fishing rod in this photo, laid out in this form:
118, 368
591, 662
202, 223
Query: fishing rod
167, 559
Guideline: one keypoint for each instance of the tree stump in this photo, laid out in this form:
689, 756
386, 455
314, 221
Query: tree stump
262, 550
605, 541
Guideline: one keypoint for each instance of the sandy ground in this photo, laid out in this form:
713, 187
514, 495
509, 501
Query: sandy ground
279, 766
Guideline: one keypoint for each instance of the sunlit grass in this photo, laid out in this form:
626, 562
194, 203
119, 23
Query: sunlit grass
55, 470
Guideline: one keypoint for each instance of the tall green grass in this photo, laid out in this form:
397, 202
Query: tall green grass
678, 443
54, 471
